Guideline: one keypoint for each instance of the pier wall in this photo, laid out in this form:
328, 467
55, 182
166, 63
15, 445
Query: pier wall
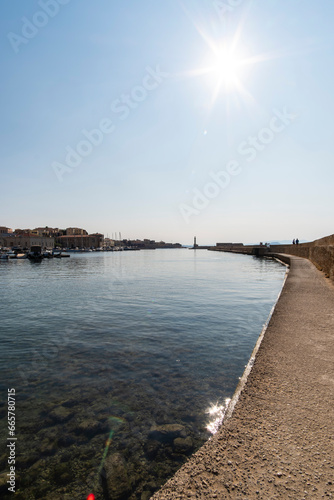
319, 252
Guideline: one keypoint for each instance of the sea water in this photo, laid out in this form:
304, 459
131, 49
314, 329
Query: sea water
118, 360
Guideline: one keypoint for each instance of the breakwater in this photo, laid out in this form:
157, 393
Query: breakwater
320, 252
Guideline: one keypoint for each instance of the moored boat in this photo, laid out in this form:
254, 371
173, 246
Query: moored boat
21, 256
60, 255
35, 254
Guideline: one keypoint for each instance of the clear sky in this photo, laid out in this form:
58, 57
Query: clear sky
167, 120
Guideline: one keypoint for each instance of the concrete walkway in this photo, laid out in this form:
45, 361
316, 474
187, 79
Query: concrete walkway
279, 441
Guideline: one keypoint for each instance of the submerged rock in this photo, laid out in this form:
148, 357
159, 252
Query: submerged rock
66, 440
152, 447
60, 414
90, 427
183, 445
116, 477
167, 432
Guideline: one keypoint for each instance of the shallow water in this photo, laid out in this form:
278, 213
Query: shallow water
107, 350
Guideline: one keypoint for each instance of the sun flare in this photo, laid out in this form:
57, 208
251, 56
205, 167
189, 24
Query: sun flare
225, 68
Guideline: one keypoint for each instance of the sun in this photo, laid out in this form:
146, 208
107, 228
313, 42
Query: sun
225, 68
226, 64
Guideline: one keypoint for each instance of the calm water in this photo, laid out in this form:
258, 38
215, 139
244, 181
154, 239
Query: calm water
116, 359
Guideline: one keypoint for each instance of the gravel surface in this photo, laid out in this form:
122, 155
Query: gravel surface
278, 442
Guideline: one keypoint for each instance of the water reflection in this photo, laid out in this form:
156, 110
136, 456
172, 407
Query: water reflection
216, 413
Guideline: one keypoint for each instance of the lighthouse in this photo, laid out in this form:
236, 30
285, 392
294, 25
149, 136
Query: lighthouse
195, 244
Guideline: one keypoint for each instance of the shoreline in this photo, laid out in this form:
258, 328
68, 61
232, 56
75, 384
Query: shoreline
275, 440
243, 380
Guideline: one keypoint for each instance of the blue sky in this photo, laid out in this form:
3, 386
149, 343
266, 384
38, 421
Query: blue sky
166, 120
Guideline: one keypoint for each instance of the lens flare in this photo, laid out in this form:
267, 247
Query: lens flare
91, 497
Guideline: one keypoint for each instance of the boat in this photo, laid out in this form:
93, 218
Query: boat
47, 254
60, 255
35, 254
11, 254
21, 256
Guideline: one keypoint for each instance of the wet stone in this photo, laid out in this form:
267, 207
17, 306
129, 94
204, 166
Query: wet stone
65, 440
116, 476
60, 414
146, 495
167, 433
152, 447
47, 447
183, 445
27, 459
90, 427
35, 468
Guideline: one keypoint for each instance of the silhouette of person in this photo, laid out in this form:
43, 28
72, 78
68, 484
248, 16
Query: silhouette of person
293, 242
297, 241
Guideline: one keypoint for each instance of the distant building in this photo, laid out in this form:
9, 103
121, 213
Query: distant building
108, 242
229, 244
23, 231
81, 241
25, 241
5, 230
46, 231
76, 231
150, 244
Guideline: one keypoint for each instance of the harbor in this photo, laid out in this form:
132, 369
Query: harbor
46, 242
138, 346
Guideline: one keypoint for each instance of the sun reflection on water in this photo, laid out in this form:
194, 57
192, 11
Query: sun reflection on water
216, 414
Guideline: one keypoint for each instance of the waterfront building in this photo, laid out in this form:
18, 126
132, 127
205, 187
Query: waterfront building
81, 241
149, 244
76, 231
5, 230
47, 231
108, 242
25, 241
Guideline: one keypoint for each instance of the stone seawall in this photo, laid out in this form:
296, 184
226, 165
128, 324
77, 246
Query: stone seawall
319, 252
